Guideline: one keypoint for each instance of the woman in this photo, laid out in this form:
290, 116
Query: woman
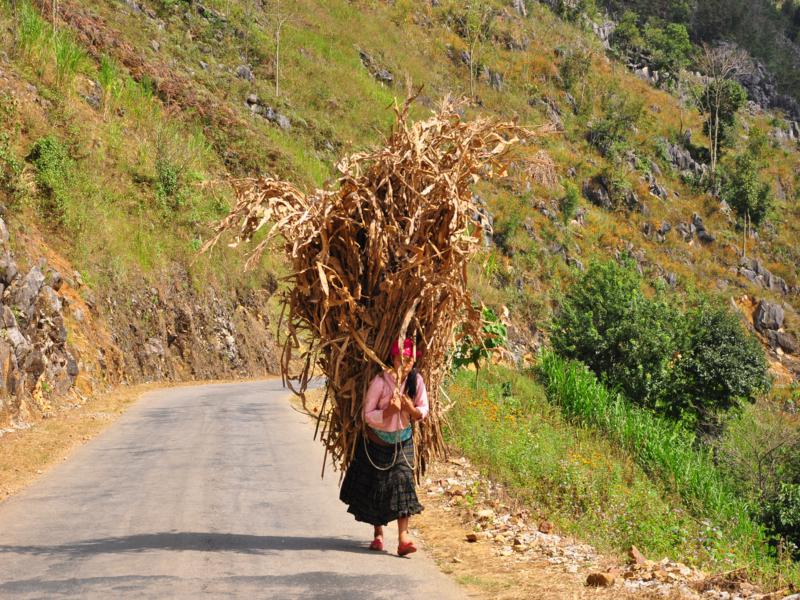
379, 484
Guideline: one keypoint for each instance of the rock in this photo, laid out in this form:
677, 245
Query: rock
545, 527
754, 271
384, 76
78, 315
671, 279
154, 347
203, 65
635, 557
519, 6
8, 268
495, 79
54, 280
520, 548
7, 318
24, 296
471, 537
664, 229
596, 192
245, 72
768, 316
252, 100
572, 568
283, 122
155, 45
702, 233
3, 232
600, 580
785, 341
48, 303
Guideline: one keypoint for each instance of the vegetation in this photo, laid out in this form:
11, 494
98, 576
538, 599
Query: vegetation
565, 447
691, 365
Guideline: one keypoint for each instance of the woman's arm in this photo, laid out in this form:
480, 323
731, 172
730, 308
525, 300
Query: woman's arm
417, 409
373, 415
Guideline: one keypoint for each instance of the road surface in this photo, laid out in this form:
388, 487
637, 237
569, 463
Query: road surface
211, 491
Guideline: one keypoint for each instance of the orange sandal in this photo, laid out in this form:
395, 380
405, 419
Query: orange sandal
407, 548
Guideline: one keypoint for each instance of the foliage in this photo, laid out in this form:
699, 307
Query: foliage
610, 133
584, 483
669, 47
690, 365
55, 170
744, 190
718, 102
627, 38
574, 68
760, 451
664, 448
569, 202
717, 366
69, 57
495, 335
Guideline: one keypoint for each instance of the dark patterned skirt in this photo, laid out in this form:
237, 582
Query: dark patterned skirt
378, 496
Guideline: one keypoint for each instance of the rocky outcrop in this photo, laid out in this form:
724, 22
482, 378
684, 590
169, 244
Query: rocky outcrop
752, 270
35, 360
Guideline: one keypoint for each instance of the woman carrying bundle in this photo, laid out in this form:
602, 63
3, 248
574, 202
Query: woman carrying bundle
379, 484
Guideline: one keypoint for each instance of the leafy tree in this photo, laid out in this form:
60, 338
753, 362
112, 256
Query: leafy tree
607, 322
690, 365
718, 366
627, 38
744, 191
669, 47
722, 97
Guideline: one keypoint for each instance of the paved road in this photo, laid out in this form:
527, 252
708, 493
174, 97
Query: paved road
209, 491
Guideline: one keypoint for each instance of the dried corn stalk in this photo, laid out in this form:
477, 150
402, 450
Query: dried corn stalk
384, 251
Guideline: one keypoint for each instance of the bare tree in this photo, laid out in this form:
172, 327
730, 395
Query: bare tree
719, 64
477, 25
280, 20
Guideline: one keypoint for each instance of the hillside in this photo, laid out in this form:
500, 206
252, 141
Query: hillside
121, 123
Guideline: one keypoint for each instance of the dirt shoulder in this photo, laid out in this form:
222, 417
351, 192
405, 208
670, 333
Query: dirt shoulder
25, 454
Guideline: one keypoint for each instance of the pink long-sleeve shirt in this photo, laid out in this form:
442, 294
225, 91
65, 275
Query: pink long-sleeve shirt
379, 394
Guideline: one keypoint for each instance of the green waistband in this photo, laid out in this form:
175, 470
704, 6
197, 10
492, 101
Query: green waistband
392, 437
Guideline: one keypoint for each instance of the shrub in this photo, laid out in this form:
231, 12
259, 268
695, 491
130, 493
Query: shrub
784, 515
54, 173
669, 47
718, 366
609, 134
744, 191
689, 365
607, 322
569, 203
495, 335
627, 38
718, 102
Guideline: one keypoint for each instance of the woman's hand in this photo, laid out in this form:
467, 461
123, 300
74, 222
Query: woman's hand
408, 407
395, 405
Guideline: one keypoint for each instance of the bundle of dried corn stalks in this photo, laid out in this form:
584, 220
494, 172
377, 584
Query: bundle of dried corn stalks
382, 256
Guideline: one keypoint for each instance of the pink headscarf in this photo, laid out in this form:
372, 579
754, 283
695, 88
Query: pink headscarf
408, 348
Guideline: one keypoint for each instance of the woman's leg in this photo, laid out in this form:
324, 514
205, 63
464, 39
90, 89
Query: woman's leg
402, 530
378, 533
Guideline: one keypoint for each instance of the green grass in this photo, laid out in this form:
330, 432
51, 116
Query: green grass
669, 454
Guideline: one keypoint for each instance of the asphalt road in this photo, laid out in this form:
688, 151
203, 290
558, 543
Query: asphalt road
210, 491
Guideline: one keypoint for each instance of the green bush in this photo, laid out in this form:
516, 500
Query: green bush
627, 38
168, 184
607, 322
668, 47
717, 367
568, 204
494, 335
784, 513
55, 171
718, 102
610, 133
691, 365
744, 190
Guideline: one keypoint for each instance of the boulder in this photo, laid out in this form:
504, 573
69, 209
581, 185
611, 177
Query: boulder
768, 316
596, 192
785, 341
25, 294
8, 268
245, 72
702, 233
